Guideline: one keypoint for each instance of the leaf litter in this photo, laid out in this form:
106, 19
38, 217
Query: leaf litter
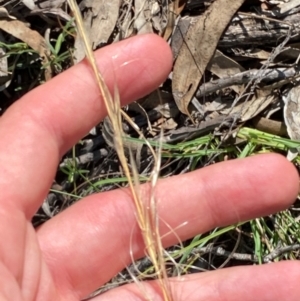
235, 66
197, 50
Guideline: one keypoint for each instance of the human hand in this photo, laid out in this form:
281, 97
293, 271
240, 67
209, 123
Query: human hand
83, 247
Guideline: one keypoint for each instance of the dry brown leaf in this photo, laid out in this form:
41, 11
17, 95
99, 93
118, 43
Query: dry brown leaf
125, 22
100, 18
291, 115
223, 66
162, 103
142, 22
259, 102
158, 17
5, 75
292, 112
31, 37
54, 12
285, 7
255, 53
49, 4
175, 7
289, 53
198, 49
182, 26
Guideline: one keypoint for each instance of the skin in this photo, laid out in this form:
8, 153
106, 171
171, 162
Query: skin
83, 247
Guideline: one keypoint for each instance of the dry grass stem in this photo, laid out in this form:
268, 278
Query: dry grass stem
146, 210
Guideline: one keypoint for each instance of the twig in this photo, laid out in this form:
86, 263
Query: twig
219, 251
280, 251
246, 77
86, 158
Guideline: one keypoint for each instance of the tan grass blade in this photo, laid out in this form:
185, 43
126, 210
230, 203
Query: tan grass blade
146, 211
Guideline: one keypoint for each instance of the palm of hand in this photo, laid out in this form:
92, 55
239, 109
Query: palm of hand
82, 248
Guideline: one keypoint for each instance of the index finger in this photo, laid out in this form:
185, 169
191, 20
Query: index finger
45, 123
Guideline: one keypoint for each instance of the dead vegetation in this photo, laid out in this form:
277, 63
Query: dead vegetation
233, 92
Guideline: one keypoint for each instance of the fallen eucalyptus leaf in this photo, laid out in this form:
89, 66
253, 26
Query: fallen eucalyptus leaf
223, 66
199, 47
100, 18
31, 37
175, 7
291, 112
259, 102
49, 4
291, 115
285, 7
5, 76
142, 22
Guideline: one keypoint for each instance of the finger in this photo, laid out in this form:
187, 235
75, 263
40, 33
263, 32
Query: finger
274, 282
45, 123
101, 230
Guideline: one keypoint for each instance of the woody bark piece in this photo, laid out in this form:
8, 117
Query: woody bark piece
247, 30
269, 126
244, 31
